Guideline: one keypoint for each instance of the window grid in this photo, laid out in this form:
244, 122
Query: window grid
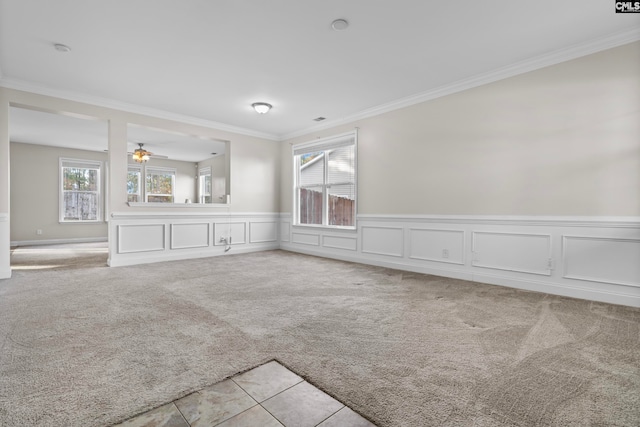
80, 191
159, 185
325, 185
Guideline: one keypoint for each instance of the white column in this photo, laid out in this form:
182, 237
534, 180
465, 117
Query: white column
5, 226
117, 193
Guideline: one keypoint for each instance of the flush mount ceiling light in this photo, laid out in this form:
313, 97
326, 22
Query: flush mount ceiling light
339, 24
261, 107
62, 47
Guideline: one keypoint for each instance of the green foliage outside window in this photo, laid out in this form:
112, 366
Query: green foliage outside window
159, 187
80, 179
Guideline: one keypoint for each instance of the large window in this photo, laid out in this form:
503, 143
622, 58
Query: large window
325, 182
160, 184
134, 187
80, 190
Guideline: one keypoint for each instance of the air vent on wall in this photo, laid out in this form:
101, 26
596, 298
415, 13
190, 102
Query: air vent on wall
319, 119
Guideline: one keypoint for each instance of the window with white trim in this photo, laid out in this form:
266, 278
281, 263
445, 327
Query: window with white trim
204, 185
159, 184
80, 190
134, 184
325, 182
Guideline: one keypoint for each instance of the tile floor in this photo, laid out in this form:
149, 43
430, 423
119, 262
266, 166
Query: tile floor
269, 395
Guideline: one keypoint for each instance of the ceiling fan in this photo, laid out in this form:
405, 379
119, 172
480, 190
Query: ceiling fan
141, 155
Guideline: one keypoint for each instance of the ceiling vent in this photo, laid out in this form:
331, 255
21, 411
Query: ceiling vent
319, 119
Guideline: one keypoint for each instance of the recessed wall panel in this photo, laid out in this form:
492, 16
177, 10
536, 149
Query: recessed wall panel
140, 238
526, 253
236, 230
601, 259
306, 238
285, 231
261, 232
184, 236
437, 245
383, 240
340, 242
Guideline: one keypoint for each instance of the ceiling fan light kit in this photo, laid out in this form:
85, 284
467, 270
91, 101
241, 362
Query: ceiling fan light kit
140, 155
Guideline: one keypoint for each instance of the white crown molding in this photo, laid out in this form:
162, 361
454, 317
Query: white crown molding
532, 64
21, 85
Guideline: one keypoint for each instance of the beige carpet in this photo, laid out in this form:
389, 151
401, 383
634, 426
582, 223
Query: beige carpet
93, 346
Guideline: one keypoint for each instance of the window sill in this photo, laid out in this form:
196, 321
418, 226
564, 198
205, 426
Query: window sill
98, 221
177, 205
338, 229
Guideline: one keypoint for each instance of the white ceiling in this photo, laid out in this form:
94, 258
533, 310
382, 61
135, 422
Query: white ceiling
209, 60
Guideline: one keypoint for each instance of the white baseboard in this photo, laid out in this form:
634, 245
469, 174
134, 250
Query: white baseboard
165, 257
592, 258
58, 241
560, 289
380, 263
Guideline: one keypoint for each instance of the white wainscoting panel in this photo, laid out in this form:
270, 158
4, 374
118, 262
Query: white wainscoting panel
5, 248
285, 231
141, 238
601, 259
383, 240
519, 252
430, 244
185, 236
263, 231
340, 242
305, 238
236, 230
525, 253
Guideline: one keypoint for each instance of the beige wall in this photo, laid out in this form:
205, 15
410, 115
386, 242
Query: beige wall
219, 186
563, 140
35, 194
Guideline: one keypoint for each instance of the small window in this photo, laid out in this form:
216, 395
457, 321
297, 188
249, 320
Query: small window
80, 190
160, 184
134, 187
204, 185
325, 182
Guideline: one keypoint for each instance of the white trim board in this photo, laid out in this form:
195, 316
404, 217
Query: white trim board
179, 255
58, 241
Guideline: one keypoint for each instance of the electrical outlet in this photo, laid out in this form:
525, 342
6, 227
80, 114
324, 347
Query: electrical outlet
39, 232
445, 253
